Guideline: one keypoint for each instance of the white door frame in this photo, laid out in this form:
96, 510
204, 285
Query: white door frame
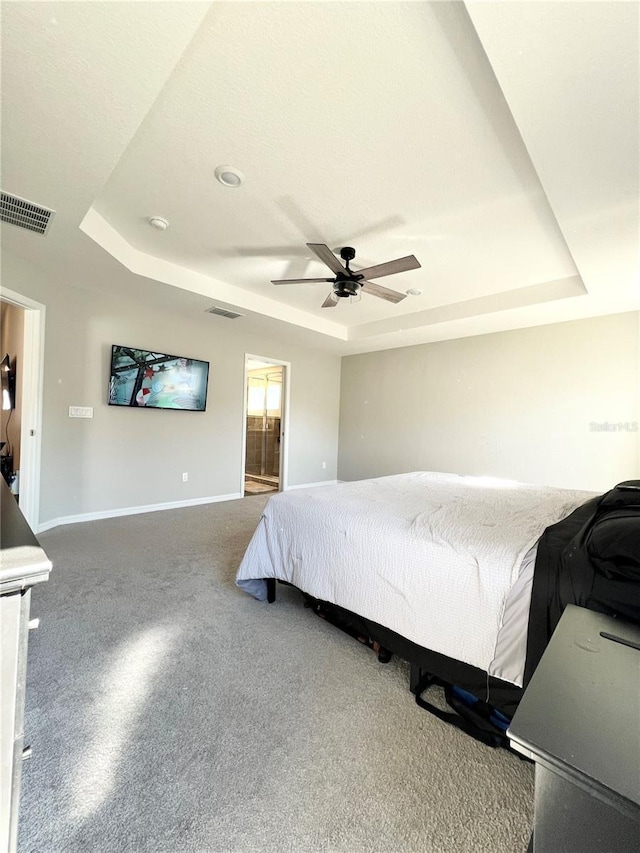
284, 418
31, 404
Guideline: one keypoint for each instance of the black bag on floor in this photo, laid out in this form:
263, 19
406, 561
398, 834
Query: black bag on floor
473, 716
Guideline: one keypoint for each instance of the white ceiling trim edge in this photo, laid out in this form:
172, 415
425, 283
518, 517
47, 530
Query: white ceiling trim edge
535, 294
108, 238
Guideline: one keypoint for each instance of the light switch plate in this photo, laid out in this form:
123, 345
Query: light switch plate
80, 411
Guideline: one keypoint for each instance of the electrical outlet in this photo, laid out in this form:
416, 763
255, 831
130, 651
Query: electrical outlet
185, 477
324, 464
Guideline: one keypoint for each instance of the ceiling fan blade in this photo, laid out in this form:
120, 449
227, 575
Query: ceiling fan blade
300, 280
383, 292
331, 301
391, 267
326, 256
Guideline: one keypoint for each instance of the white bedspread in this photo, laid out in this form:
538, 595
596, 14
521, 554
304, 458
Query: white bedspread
431, 556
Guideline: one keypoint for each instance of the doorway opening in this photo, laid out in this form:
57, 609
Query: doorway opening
23, 337
265, 388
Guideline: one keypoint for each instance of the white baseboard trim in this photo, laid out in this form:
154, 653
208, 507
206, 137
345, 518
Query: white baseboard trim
311, 485
133, 510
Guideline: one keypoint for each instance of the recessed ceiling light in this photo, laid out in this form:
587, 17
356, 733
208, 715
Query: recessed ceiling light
158, 222
229, 176
413, 292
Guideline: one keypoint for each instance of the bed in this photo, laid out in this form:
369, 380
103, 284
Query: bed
437, 568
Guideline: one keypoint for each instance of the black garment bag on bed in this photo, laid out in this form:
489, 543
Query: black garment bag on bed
592, 559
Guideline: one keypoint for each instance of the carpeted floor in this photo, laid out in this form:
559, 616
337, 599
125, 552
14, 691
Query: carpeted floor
170, 713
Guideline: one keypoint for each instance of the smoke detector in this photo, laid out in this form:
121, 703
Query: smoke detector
158, 222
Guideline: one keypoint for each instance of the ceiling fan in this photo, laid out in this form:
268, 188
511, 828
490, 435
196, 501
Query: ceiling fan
348, 282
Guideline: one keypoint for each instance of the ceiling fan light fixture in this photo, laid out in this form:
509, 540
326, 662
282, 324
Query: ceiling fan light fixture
229, 176
346, 288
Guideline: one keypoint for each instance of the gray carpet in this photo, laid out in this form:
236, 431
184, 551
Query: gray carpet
171, 713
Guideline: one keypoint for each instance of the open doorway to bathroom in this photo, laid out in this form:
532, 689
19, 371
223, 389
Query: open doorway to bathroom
264, 426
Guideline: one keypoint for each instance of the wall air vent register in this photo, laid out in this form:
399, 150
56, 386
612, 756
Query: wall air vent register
25, 214
223, 312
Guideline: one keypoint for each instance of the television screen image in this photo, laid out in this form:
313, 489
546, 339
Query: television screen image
154, 380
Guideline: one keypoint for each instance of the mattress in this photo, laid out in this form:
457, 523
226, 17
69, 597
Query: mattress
443, 560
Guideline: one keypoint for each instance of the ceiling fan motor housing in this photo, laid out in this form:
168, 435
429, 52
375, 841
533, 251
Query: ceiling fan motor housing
349, 284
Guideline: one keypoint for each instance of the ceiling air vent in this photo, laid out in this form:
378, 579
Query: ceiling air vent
25, 214
223, 312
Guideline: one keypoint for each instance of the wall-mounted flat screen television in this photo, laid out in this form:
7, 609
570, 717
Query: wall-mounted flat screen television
154, 380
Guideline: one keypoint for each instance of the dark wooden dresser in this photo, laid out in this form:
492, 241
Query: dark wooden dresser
579, 720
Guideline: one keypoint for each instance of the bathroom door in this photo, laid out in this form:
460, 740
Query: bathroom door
264, 428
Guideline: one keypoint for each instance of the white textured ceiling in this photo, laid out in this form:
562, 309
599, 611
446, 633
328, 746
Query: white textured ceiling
498, 142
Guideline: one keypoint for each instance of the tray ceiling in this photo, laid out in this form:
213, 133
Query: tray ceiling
498, 142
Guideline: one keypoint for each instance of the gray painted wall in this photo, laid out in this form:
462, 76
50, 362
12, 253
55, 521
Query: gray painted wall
132, 457
516, 404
